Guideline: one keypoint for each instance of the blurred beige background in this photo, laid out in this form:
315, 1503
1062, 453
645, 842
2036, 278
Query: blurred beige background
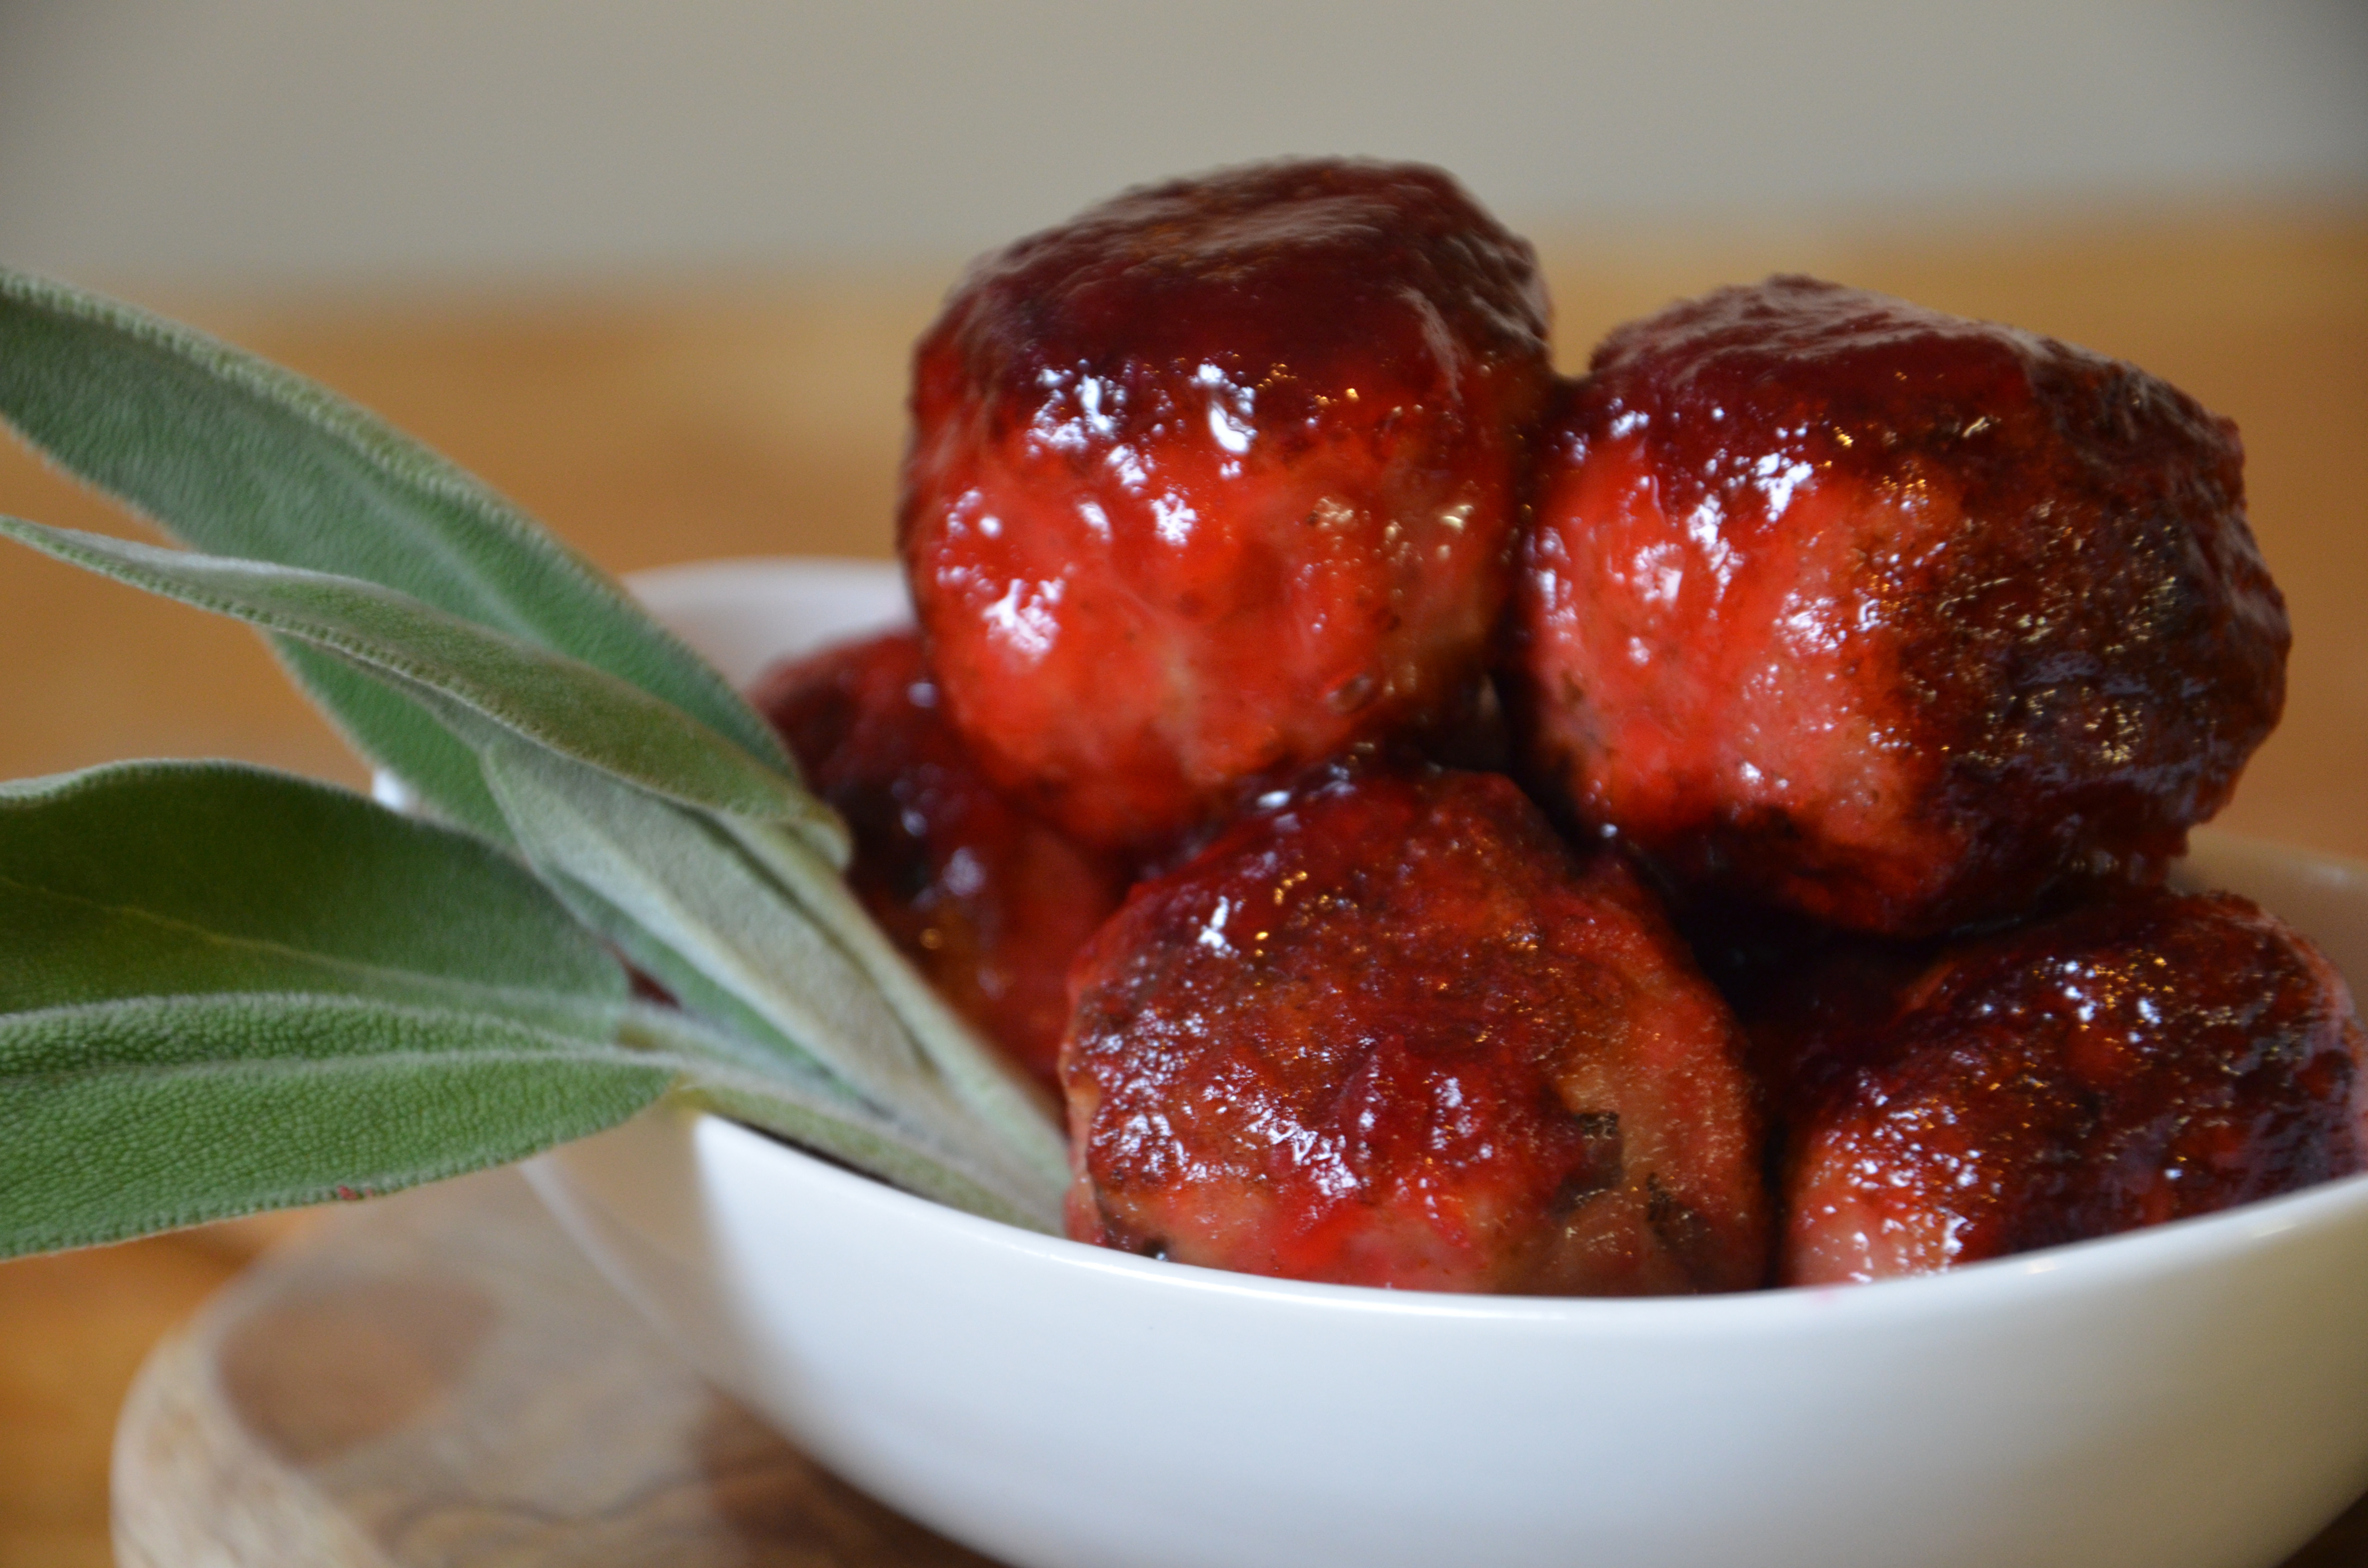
295, 140
652, 270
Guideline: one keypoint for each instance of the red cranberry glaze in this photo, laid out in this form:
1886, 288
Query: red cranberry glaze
2149, 1057
989, 902
1389, 1032
1895, 619
1217, 479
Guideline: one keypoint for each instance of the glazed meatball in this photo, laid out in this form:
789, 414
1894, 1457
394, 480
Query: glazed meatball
1897, 619
987, 902
1387, 1031
1217, 479
2149, 1057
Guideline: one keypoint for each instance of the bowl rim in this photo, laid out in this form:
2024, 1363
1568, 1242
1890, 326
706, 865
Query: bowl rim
2218, 1240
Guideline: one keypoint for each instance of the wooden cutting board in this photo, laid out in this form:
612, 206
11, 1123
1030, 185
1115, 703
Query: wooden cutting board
439, 1380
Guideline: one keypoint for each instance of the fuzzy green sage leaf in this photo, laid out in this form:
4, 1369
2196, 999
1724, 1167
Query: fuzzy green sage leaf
249, 1102
223, 989
401, 735
176, 877
682, 895
237, 457
1020, 1117
554, 700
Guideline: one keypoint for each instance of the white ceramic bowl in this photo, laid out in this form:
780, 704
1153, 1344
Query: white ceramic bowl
2189, 1396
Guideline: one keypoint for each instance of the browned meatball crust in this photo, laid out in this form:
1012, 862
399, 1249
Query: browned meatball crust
1902, 620
1219, 479
2145, 1057
1388, 1031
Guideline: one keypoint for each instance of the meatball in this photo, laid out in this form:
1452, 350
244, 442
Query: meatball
1900, 620
2145, 1057
1217, 479
987, 902
1387, 1031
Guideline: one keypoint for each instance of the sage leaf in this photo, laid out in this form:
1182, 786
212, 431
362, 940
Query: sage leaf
802, 1102
557, 701
155, 998
669, 873
976, 1075
225, 989
121, 1118
680, 882
237, 457
877, 1148
399, 735
175, 879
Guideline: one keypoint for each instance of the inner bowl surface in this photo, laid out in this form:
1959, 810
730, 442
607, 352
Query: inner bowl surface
2193, 1394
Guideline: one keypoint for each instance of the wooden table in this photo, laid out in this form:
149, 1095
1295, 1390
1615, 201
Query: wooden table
727, 416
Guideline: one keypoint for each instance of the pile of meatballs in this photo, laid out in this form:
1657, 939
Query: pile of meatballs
1695, 826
